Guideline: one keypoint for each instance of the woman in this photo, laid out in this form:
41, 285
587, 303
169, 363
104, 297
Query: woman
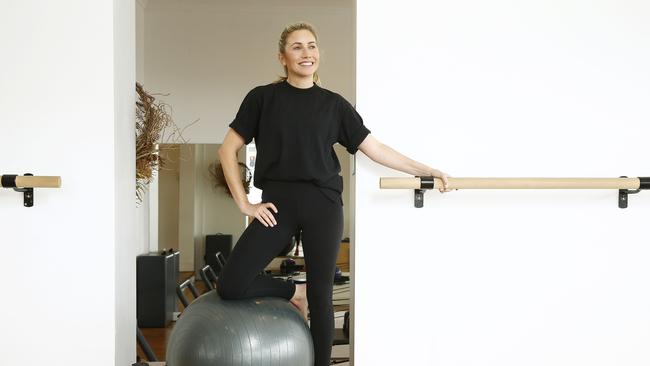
294, 123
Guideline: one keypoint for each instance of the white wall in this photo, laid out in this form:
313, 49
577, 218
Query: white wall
66, 108
140, 6
147, 213
144, 209
498, 89
123, 172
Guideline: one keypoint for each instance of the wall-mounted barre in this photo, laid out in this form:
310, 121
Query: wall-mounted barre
420, 184
26, 184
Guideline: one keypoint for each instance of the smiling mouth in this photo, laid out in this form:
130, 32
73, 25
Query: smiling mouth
306, 64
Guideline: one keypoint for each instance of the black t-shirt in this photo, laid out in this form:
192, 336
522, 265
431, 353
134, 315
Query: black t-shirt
295, 130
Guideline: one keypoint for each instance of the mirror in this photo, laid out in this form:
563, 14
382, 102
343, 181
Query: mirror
201, 58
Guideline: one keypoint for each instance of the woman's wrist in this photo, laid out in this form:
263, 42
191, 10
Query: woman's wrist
243, 204
431, 172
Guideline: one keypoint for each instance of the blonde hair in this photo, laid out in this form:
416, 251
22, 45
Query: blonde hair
283, 43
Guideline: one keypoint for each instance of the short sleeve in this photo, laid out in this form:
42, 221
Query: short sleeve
248, 116
352, 131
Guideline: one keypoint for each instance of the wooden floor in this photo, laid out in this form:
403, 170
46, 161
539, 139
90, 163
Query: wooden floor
157, 337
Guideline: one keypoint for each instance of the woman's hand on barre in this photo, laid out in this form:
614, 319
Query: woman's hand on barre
262, 212
443, 176
387, 156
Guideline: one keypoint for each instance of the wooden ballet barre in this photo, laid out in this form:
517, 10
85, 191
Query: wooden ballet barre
513, 183
625, 185
26, 183
29, 181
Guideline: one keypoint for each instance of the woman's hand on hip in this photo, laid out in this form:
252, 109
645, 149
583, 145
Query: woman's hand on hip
262, 212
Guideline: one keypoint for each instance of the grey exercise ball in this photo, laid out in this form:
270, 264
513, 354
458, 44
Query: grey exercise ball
261, 331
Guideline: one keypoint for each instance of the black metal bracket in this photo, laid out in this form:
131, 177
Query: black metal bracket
9, 181
623, 193
425, 183
419, 198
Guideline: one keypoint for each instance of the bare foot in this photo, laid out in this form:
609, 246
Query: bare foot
299, 299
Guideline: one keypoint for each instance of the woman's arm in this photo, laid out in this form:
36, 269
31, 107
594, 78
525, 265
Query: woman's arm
388, 157
232, 143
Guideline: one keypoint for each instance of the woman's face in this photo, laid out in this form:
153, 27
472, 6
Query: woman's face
300, 54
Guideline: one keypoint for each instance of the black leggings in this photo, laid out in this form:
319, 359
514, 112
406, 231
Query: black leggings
301, 205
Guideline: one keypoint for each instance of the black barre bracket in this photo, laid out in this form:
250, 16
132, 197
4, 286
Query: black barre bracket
9, 181
425, 183
623, 193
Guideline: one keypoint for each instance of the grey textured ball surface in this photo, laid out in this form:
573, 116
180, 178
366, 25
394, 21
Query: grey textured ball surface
263, 331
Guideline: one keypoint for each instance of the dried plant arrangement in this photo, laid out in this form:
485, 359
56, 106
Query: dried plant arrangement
219, 179
152, 120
